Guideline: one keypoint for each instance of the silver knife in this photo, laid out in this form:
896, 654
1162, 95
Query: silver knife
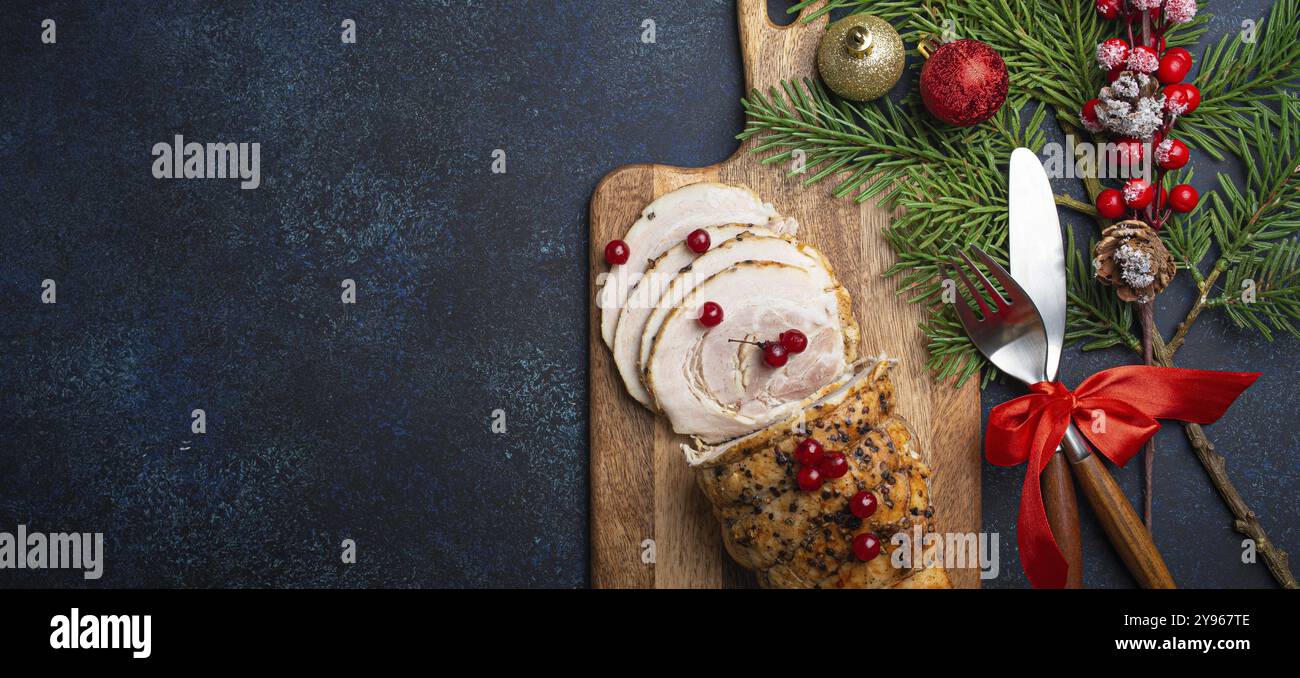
1037, 250
1038, 264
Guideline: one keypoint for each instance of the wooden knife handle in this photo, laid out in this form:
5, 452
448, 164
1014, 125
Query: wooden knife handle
1126, 532
1063, 516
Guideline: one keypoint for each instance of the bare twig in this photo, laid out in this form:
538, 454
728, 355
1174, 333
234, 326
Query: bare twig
1246, 521
1076, 205
1146, 315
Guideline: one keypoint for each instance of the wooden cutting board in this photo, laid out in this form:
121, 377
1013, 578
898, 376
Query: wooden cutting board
650, 525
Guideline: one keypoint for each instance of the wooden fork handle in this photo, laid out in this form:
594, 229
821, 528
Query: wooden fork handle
1063, 516
1126, 532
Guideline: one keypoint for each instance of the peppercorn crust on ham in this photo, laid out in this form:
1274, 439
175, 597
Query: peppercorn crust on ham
796, 539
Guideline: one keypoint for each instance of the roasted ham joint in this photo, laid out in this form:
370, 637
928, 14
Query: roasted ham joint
739, 334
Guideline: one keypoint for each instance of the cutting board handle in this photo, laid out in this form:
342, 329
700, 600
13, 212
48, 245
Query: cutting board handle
768, 48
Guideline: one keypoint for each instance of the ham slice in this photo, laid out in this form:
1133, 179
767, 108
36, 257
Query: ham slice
647, 294
714, 388
665, 223
782, 249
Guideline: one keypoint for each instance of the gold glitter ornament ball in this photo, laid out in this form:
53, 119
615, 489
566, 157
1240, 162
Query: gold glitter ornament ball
860, 57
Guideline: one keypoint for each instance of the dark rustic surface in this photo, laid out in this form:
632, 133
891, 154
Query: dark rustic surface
371, 422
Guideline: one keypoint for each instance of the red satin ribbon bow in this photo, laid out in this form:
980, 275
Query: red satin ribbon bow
1116, 410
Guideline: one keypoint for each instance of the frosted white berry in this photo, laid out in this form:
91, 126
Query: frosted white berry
1145, 4
1162, 151
1143, 59
1180, 11
1112, 54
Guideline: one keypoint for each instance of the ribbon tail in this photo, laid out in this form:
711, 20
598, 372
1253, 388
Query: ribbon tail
1040, 556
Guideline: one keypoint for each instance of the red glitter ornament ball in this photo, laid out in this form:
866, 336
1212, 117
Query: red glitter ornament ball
964, 83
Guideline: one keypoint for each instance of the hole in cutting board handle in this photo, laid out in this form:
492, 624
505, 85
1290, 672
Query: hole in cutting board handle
776, 11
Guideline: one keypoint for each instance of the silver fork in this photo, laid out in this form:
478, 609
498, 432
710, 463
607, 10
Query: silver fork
1012, 337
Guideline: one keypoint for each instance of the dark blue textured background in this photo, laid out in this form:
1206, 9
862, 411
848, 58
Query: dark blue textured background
371, 422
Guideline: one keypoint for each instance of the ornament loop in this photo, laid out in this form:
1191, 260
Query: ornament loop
858, 42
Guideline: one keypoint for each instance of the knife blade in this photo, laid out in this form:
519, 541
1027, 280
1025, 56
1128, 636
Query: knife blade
1037, 250
1038, 264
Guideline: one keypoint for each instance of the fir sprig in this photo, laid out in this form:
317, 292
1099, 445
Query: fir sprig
1255, 227
1095, 317
1239, 80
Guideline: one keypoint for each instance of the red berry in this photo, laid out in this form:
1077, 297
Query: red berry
1182, 99
1172, 154
1183, 198
1138, 193
1110, 204
1109, 9
1129, 152
794, 341
1089, 115
1113, 54
1193, 97
710, 314
1174, 66
698, 241
774, 354
1113, 74
866, 546
616, 252
808, 452
834, 465
863, 504
810, 479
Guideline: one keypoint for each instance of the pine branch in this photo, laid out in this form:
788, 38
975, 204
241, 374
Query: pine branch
1235, 77
1249, 224
1269, 296
1188, 240
1094, 317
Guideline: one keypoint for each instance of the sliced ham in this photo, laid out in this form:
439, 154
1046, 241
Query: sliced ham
713, 387
873, 376
782, 249
647, 294
665, 223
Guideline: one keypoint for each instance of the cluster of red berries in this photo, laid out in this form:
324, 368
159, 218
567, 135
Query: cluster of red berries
1170, 68
1138, 194
816, 466
788, 343
775, 353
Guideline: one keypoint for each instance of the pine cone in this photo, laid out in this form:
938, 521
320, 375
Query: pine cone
1132, 106
1132, 259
